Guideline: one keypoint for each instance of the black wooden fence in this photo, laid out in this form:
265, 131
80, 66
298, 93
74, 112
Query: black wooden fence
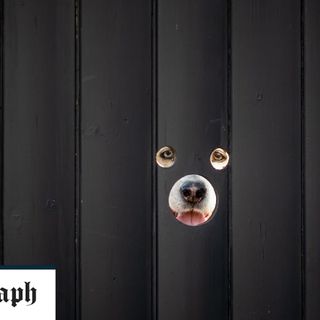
92, 88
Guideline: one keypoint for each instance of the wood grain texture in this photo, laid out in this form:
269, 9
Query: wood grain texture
116, 160
178, 52
2, 129
266, 170
192, 117
39, 140
312, 158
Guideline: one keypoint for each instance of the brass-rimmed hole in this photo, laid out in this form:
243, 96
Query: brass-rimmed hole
219, 158
166, 157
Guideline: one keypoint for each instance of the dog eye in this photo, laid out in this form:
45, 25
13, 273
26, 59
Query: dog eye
219, 158
166, 157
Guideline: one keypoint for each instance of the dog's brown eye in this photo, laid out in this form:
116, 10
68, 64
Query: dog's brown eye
168, 154
219, 158
166, 157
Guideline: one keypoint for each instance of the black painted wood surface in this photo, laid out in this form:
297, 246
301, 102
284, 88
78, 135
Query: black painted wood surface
116, 159
38, 169
266, 160
312, 158
91, 88
192, 117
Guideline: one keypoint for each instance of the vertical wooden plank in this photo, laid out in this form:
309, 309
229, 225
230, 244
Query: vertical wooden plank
312, 157
192, 117
116, 163
39, 140
2, 129
266, 172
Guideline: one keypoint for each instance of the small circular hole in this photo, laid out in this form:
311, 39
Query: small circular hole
166, 157
219, 158
192, 200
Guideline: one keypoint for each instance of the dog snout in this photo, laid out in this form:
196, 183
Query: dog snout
193, 192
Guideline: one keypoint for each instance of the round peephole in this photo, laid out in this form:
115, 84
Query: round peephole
166, 157
192, 200
219, 158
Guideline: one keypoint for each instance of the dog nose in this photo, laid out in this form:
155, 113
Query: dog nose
193, 192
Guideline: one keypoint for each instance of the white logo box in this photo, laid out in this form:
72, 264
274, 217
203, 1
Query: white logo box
27, 293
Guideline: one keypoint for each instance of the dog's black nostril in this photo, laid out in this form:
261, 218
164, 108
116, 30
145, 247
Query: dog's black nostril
193, 192
186, 192
200, 193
